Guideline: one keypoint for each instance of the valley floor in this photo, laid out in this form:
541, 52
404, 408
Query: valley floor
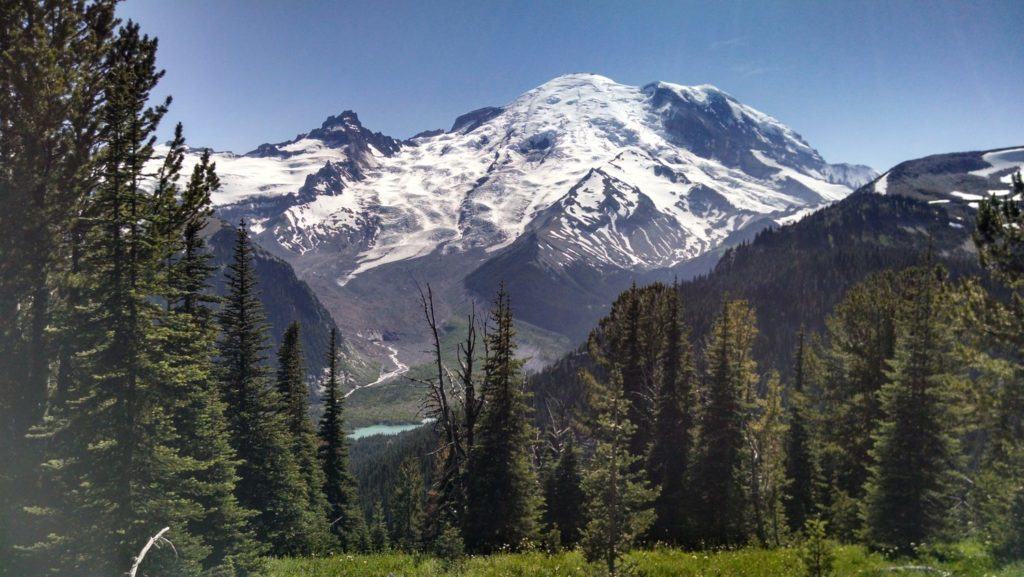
966, 560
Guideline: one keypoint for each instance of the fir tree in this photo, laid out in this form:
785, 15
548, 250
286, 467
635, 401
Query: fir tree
723, 456
339, 485
502, 488
199, 418
915, 453
618, 496
766, 435
800, 463
669, 458
294, 394
378, 530
270, 482
120, 467
564, 499
406, 506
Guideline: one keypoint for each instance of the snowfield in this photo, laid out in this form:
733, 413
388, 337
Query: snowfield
633, 177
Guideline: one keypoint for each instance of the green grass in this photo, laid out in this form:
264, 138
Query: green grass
852, 561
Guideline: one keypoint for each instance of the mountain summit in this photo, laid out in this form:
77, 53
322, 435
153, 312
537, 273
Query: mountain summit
579, 178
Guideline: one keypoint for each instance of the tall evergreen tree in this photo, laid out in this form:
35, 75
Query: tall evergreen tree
669, 459
120, 463
619, 497
564, 499
191, 339
723, 455
406, 506
270, 482
909, 494
801, 470
766, 435
339, 485
1001, 248
52, 65
293, 390
502, 488
861, 343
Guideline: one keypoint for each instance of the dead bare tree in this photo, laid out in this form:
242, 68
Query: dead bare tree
454, 404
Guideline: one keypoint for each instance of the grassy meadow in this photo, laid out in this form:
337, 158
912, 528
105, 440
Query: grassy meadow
965, 560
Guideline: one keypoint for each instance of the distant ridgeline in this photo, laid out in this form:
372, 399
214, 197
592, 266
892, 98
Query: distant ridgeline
793, 276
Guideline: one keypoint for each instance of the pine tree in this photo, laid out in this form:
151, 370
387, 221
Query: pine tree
915, 453
862, 339
564, 499
294, 395
502, 488
723, 455
801, 471
406, 506
199, 418
116, 444
378, 530
999, 241
766, 435
669, 459
270, 482
339, 485
52, 67
618, 495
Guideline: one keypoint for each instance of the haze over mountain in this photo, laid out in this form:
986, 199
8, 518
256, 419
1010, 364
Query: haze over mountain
571, 191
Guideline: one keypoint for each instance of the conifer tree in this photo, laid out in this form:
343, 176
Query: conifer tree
502, 489
618, 496
669, 459
862, 339
378, 530
120, 468
564, 499
199, 419
766, 435
999, 239
52, 78
294, 394
723, 456
908, 496
346, 521
800, 504
406, 506
270, 482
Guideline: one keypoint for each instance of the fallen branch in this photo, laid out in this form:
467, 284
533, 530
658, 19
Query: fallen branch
154, 540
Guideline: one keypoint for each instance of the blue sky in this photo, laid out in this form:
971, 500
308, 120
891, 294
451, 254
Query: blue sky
867, 82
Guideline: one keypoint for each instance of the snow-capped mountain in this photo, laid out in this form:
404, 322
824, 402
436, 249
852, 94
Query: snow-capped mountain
579, 177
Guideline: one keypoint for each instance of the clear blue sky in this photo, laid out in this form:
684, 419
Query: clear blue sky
869, 82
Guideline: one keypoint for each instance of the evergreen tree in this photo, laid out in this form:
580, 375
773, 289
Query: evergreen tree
723, 455
294, 394
618, 495
406, 506
378, 530
1001, 248
53, 59
862, 340
502, 488
801, 469
564, 499
915, 453
339, 485
669, 459
270, 482
116, 443
199, 418
766, 439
